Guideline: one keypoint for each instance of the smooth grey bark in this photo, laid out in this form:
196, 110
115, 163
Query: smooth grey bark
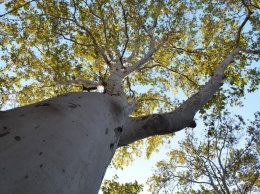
59, 146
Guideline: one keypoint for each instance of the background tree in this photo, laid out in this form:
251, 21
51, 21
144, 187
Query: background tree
55, 47
226, 160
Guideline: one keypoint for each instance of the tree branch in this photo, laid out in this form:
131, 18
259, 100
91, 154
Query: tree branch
250, 51
16, 8
104, 29
160, 65
249, 13
99, 49
132, 55
223, 170
146, 58
212, 181
190, 180
72, 40
137, 128
126, 33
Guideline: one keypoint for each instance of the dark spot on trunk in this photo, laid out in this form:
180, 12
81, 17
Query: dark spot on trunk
21, 115
17, 138
111, 146
40, 153
41, 166
72, 105
63, 170
106, 131
26, 177
44, 140
37, 126
4, 134
79, 97
118, 131
44, 104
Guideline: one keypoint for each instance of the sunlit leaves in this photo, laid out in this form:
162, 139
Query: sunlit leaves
112, 186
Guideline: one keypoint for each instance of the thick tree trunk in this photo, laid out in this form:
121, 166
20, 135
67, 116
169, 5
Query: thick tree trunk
58, 146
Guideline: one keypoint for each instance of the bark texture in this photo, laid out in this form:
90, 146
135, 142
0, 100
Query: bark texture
59, 146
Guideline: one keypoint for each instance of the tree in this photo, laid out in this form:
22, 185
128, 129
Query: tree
57, 48
117, 188
225, 161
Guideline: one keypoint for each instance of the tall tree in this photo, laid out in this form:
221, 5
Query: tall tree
226, 160
59, 47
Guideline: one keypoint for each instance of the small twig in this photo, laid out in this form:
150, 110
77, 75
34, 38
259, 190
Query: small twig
16, 8
72, 40
159, 65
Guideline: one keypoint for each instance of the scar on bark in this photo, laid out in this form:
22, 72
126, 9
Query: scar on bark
17, 138
4, 134
72, 105
118, 131
111, 146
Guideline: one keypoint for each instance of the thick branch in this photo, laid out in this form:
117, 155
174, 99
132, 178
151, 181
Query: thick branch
159, 124
141, 62
251, 51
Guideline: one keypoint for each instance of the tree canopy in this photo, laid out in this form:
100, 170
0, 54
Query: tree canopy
51, 47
